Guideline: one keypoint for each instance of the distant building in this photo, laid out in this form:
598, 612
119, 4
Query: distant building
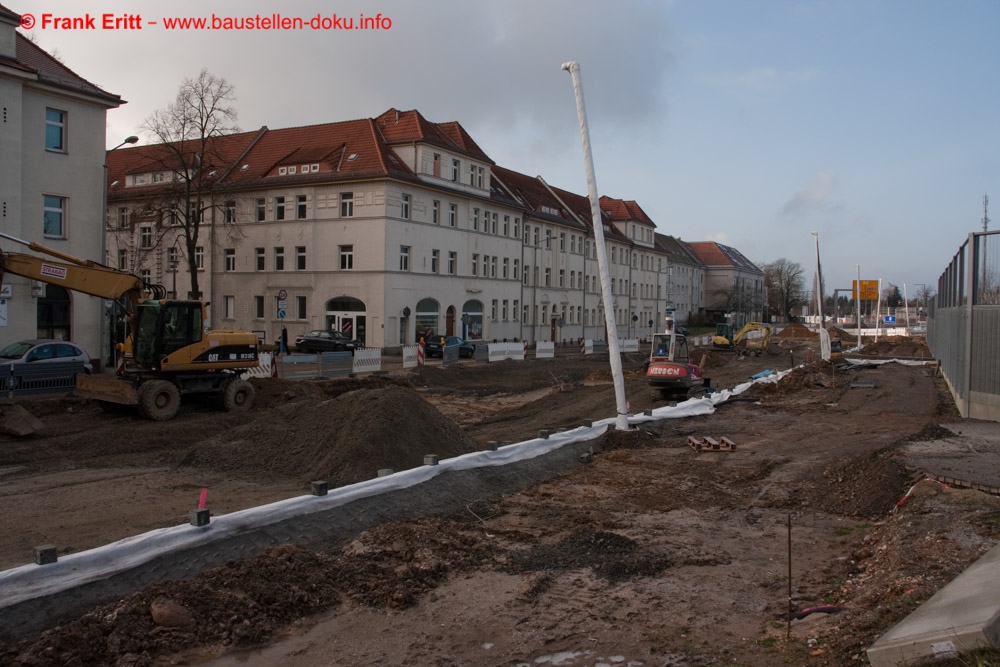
734, 286
52, 143
388, 228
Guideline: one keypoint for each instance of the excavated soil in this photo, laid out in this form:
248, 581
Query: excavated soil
651, 554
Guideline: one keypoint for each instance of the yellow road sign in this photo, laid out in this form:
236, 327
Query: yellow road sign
869, 290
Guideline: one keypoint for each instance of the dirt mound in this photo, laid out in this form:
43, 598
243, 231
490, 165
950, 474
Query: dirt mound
342, 440
897, 346
817, 374
796, 330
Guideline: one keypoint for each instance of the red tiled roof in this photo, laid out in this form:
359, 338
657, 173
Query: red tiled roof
533, 195
403, 127
145, 159
49, 70
622, 210
711, 253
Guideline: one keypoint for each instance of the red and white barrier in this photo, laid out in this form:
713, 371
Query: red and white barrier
420, 353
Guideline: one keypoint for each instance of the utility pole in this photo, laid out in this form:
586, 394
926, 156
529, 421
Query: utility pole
982, 259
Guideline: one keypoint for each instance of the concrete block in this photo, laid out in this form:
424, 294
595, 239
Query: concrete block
491, 445
199, 517
385, 472
648, 413
588, 423
431, 460
45, 554
544, 434
962, 616
320, 488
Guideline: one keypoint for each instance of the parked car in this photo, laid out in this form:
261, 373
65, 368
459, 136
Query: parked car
41, 351
326, 341
433, 347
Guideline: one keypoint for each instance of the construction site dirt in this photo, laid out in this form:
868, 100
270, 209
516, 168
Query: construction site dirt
792, 546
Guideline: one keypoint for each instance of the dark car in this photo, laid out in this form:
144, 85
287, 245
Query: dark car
432, 348
326, 341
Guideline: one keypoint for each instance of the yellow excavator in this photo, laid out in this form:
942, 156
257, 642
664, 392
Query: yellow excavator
168, 348
752, 339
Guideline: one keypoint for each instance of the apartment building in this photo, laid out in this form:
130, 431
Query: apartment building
734, 286
52, 139
387, 228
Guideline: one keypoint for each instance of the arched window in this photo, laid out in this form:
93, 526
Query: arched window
472, 319
427, 317
53, 313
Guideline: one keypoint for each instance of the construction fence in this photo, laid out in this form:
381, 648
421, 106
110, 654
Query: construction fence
963, 326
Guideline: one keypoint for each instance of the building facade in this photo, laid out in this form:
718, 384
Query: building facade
52, 141
389, 228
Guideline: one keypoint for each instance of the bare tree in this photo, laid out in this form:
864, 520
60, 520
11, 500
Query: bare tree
186, 148
785, 286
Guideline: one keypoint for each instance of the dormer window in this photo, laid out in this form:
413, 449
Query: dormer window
313, 168
291, 171
282, 171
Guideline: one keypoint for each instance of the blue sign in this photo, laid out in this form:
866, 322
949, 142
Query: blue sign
281, 314
890, 319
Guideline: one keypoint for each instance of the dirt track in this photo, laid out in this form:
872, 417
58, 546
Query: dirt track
654, 553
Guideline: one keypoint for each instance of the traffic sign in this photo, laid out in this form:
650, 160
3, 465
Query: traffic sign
281, 314
890, 319
282, 295
282, 304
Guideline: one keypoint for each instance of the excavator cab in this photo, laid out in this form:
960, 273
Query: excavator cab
164, 327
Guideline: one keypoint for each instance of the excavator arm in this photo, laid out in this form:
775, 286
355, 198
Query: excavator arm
77, 274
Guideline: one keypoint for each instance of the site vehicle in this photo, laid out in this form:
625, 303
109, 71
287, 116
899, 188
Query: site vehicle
434, 347
752, 339
167, 347
319, 340
669, 369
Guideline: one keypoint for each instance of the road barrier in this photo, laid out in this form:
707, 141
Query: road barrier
58, 377
412, 356
545, 350
628, 344
586, 346
367, 360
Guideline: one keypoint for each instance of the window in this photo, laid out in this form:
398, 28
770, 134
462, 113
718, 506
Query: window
517, 229
527, 234
404, 207
548, 238
300, 258
199, 257
475, 219
145, 238
513, 311
54, 217
506, 266
261, 208
475, 264
258, 307
486, 266
346, 257
455, 167
493, 267
479, 181
122, 217
230, 259
158, 177
536, 237
437, 165
452, 261
258, 259
173, 257
493, 228
435, 256
548, 277
493, 311
517, 269
300, 307
55, 130
145, 275
122, 259
172, 218
452, 214
472, 174
562, 277
229, 212
404, 258
506, 225
300, 207
435, 211
229, 307
279, 259
279, 208
562, 241
346, 204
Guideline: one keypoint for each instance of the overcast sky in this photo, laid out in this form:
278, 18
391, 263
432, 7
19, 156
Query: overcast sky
751, 123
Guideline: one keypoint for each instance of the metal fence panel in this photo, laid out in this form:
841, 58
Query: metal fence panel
57, 377
985, 336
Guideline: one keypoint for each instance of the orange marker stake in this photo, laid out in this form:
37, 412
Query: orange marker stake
204, 498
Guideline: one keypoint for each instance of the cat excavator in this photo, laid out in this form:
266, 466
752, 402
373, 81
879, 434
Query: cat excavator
168, 347
752, 339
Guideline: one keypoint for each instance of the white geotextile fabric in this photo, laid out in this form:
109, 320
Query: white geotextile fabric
30, 581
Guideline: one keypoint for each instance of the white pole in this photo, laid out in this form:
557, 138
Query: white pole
857, 298
878, 310
906, 306
819, 283
621, 422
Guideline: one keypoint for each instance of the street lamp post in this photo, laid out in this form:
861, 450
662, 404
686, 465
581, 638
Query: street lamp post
107, 355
